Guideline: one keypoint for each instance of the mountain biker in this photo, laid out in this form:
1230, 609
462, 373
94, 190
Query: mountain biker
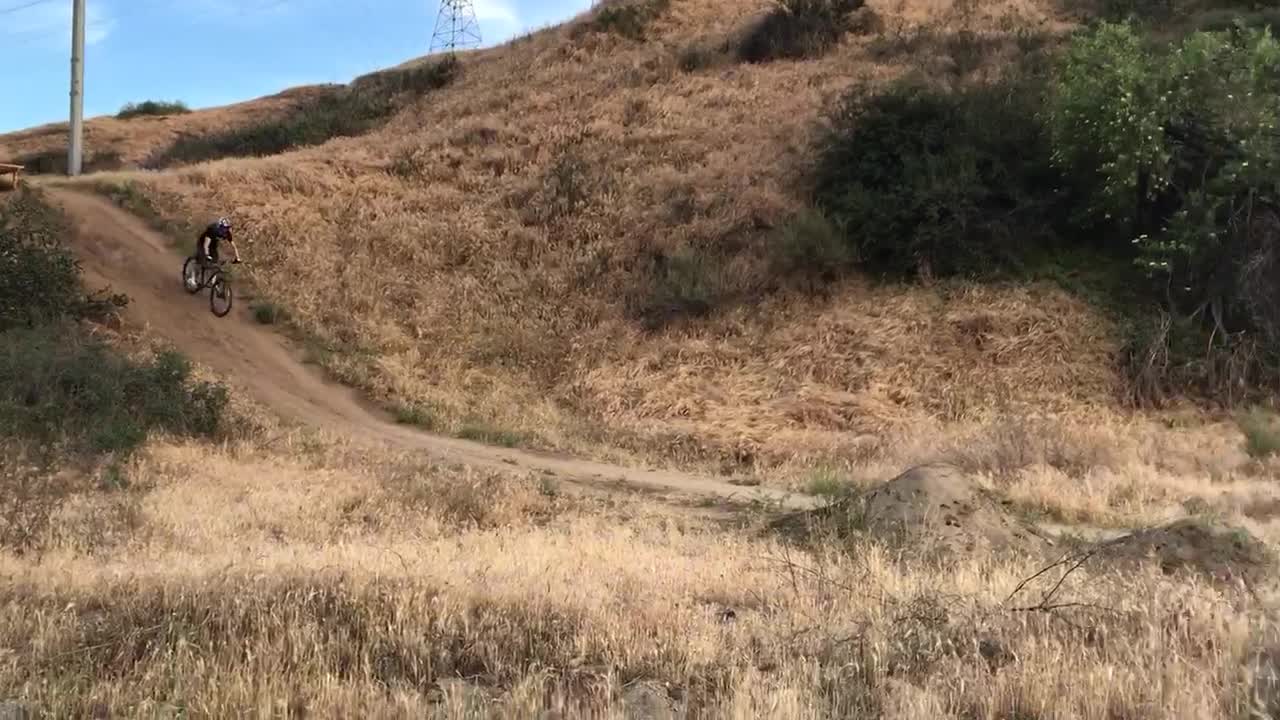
207, 243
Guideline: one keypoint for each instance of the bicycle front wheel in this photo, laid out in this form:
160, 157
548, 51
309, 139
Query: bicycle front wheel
220, 296
190, 276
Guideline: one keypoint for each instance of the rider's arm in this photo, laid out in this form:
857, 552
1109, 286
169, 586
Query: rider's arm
204, 245
234, 249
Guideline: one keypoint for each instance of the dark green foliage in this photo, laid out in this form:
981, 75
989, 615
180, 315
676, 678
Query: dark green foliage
797, 29
152, 107
342, 112
628, 19
39, 279
1227, 19
56, 387
1180, 145
938, 182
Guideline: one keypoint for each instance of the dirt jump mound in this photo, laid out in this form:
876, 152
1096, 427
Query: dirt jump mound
1219, 552
933, 508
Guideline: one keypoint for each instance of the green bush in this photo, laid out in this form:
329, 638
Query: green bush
56, 388
797, 29
628, 19
39, 278
937, 182
1181, 146
152, 107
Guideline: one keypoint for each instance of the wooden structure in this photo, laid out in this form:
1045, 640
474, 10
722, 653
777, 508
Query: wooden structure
14, 170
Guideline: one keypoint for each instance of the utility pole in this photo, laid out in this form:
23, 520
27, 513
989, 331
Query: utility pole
75, 148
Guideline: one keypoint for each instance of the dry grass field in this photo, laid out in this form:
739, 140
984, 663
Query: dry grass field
307, 577
482, 264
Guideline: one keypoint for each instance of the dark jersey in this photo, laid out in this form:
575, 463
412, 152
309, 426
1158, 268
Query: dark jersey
216, 235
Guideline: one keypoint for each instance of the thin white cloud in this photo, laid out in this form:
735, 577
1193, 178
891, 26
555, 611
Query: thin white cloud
49, 24
496, 11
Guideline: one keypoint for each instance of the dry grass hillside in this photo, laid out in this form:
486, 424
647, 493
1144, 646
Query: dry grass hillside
497, 254
493, 264
112, 143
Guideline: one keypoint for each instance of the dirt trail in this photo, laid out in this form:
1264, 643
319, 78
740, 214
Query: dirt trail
119, 250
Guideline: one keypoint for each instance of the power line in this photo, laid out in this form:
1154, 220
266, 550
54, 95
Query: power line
16, 8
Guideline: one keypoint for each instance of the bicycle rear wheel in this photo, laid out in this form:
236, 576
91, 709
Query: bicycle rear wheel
219, 296
190, 276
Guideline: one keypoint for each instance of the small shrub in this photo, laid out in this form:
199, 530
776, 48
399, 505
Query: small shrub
798, 29
687, 284
1261, 433
628, 19
567, 186
267, 313
485, 433
695, 57
417, 414
152, 107
812, 247
825, 482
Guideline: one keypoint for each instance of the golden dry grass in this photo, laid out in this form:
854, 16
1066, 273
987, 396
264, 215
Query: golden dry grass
302, 577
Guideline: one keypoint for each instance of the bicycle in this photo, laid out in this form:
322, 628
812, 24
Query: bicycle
212, 277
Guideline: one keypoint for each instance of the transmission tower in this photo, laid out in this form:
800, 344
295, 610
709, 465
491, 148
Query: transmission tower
456, 26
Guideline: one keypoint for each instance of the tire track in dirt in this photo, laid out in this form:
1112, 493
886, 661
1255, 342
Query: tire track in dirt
118, 250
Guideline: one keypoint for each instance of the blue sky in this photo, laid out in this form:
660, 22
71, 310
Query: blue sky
213, 52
